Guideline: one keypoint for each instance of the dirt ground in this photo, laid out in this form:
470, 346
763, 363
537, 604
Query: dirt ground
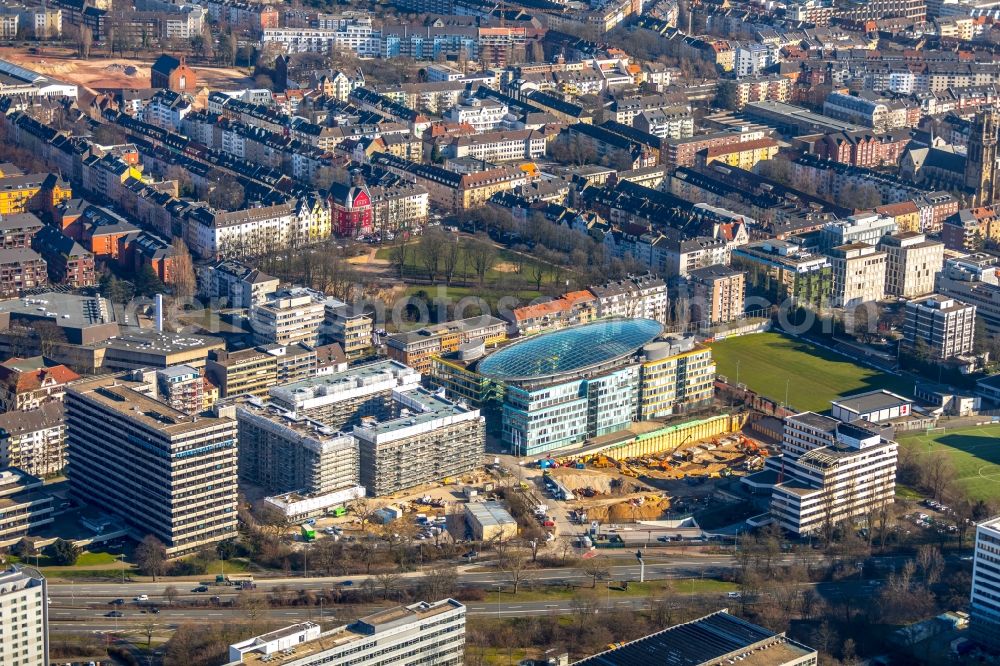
118, 72
598, 480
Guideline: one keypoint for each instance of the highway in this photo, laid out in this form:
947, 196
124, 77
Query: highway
83, 607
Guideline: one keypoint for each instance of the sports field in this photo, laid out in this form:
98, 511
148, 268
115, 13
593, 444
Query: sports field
814, 376
975, 452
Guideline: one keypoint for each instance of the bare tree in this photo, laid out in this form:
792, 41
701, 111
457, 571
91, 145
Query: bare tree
515, 564
151, 556
597, 568
170, 593
431, 250
450, 258
483, 256
931, 563
388, 581
182, 275
936, 473
399, 254
149, 628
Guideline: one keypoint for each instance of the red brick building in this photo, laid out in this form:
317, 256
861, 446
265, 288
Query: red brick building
18, 229
21, 268
174, 74
69, 263
351, 209
863, 148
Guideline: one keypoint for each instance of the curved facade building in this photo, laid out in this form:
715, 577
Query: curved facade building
579, 383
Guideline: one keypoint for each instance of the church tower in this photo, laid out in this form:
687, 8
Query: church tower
981, 159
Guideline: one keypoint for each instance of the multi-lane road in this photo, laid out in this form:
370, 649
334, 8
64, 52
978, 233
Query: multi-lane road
84, 606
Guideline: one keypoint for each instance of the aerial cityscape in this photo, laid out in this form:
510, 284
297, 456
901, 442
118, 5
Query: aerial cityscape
528, 332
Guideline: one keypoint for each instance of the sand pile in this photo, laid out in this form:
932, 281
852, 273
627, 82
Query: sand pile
600, 482
627, 512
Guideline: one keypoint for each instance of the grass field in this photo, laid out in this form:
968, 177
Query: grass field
504, 266
814, 376
975, 453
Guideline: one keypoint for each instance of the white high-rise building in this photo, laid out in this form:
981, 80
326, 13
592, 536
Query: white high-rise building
24, 618
829, 472
985, 601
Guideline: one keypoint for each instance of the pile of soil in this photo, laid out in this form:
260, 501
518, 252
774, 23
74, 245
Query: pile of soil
600, 482
627, 512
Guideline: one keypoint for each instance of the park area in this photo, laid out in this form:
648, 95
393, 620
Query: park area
769, 362
974, 453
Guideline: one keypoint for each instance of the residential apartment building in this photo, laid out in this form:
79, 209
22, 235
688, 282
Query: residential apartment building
428, 438
67, 262
864, 228
34, 441
780, 270
858, 271
29, 383
912, 263
677, 375
636, 296
245, 372
984, 606
23, 509
973, 279
665, 123
944, 326
425, 633
24, 618
349, 326
485, 115
416, 348
716, 294
829, 472
340, 400
289, 316
283, 452
164, 472
241, 285
181, 387
570, 309
21, 269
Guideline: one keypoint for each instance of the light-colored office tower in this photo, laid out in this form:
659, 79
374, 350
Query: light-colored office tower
24, 618
166, 473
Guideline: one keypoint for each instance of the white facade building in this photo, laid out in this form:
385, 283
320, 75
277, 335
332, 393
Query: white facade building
829, 472
432, 634
985, 600
24, 618
485, 115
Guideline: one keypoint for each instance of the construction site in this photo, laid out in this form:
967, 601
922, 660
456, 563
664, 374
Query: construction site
652, 487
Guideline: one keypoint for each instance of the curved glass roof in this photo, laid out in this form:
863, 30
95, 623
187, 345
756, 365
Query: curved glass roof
569, 350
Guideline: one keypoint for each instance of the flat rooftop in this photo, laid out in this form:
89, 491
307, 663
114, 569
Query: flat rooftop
419, 407
161, 342
871, 401
66, 310
125, 397
337, 382
360, 630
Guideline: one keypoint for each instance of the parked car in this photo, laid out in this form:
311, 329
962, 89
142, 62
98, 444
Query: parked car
733, 595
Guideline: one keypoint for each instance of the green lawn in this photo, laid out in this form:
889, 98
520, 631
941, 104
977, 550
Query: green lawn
648, 589
464, 271
975, 452
814, 376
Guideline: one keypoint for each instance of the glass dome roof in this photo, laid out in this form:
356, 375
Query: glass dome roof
570, 350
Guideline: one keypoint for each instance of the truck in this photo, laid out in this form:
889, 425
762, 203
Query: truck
308, 533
